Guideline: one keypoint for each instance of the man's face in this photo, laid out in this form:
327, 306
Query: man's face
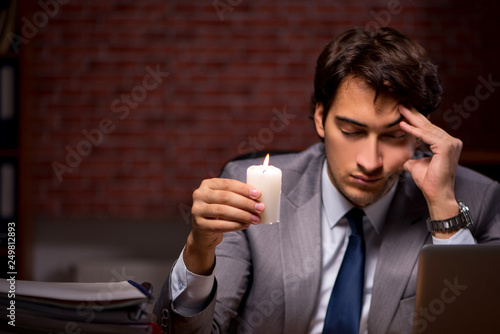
365, 146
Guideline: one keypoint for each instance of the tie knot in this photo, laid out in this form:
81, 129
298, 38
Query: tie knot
355, 218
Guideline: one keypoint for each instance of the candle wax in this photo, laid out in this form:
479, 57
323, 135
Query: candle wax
267, 179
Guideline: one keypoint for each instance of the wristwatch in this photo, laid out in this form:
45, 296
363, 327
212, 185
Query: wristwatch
463, 219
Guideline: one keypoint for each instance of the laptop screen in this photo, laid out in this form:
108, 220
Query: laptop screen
458, 290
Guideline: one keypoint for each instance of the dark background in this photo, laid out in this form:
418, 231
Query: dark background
233, 66
226, 77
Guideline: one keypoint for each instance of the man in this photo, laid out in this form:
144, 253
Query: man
372, 93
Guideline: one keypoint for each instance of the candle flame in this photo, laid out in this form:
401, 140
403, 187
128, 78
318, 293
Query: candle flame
266, 160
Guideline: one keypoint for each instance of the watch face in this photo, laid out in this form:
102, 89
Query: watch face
465, 210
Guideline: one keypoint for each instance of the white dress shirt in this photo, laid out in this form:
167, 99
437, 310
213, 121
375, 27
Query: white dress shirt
335, 237
190, 291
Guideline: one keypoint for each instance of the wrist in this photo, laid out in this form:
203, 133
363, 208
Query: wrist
446, 228
198, 259
443, 209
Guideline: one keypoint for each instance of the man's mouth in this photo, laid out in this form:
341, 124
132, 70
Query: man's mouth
366, 180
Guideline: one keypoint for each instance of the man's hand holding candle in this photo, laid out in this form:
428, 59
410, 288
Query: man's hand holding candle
224, 205
219, 206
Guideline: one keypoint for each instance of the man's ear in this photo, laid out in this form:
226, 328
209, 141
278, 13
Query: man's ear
318, 120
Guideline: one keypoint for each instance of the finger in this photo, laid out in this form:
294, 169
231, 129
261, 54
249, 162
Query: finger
420, 127
406, 124
225, 212
410, 164
220, 225
226, 200
414, 122
234, 186
413, 116
230, 192
206, 195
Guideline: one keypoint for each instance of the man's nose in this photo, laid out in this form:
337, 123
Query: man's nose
369, 158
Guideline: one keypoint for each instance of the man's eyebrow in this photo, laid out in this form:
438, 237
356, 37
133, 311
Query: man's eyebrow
396, 122
349, 120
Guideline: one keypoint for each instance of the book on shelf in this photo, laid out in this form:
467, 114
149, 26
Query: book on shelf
71, 307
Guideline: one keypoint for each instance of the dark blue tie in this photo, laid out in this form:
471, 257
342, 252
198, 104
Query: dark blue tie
344, 308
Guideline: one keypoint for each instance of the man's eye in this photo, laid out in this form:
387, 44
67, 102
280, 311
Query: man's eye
350, 133
397, 135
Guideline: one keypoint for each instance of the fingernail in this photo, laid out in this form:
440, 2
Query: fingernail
259, 207
254, 193
255, 218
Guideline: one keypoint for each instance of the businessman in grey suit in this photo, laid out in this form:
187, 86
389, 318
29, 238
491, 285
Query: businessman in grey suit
373, 91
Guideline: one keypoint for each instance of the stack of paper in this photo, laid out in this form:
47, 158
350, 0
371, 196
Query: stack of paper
48, 307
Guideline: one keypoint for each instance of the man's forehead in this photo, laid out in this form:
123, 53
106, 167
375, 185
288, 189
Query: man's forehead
355, 92
352, 84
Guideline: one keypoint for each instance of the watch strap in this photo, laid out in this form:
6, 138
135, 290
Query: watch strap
462, 220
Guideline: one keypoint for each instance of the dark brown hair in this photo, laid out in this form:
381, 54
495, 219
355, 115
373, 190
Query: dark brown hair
387, 60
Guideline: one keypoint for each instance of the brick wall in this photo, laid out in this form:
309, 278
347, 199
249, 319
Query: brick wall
135, 102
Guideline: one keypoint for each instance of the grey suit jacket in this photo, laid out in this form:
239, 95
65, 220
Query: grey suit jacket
268, 276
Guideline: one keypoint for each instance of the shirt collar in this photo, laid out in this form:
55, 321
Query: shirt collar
338, 205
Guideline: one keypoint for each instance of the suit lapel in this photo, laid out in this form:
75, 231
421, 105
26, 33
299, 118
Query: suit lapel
403, 237
300, 233
404, 234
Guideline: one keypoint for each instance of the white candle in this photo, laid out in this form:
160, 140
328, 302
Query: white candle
267, 179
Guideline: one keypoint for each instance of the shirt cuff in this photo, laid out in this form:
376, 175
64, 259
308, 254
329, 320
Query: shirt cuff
190, 292
462, 237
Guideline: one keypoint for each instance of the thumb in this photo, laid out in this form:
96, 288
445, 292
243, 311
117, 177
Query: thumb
408, 165
417, 167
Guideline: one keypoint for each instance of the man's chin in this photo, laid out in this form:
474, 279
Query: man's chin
361, 202
364, 197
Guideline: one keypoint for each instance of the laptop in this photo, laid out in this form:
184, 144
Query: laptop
458, 290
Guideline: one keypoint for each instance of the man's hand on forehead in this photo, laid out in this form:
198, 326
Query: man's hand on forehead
435, 176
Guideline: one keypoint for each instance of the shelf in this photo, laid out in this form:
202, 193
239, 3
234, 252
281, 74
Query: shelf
12, 150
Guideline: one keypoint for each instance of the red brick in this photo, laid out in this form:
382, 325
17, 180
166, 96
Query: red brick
225, 79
